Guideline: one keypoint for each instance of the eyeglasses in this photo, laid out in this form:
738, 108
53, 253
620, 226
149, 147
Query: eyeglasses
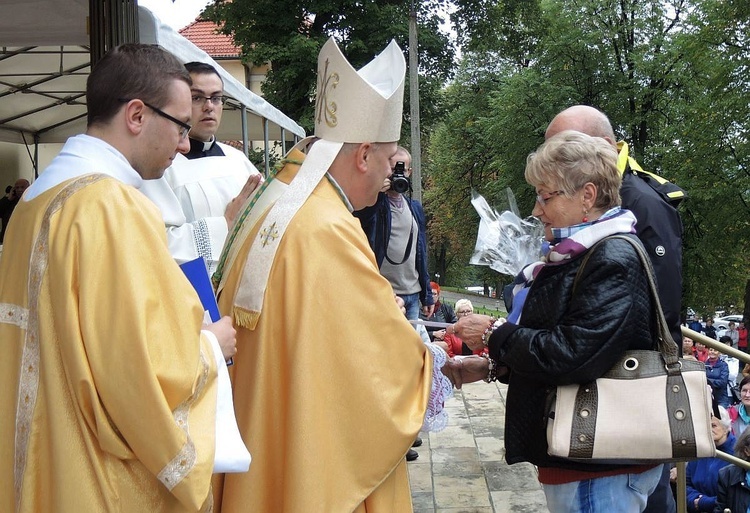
215, 100
462, 312
543, 201
184, 127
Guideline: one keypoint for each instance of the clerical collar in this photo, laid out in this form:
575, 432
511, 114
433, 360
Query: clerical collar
200, 149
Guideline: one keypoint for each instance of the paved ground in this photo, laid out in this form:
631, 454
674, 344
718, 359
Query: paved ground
462, 469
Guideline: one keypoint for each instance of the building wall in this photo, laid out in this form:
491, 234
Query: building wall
15, 161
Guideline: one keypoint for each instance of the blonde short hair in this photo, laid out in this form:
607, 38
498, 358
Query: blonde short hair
724, 418
570, 160
463, 303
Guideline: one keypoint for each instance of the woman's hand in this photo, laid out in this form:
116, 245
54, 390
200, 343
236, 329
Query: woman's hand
225, 334
466, 369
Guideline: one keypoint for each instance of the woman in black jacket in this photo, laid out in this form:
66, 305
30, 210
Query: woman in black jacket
733, 494
562, 336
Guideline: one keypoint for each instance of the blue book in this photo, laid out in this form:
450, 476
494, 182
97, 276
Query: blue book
197, 272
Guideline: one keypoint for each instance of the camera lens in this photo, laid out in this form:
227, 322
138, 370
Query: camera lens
399, 184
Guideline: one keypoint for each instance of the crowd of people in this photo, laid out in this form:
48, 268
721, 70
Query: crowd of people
736, 332
712, 483
148, 187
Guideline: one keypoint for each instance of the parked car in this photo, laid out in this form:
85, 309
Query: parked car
722, 323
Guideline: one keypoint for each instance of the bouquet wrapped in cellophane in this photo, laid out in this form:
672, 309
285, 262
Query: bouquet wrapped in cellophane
505, 242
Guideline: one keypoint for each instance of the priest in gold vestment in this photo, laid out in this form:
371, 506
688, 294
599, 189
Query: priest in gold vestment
331, 383
107, 384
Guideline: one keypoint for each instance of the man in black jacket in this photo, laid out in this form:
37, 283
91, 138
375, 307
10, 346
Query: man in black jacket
654, 202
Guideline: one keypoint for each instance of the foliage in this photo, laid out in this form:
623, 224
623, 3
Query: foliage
672, 77
710, 124
290, 33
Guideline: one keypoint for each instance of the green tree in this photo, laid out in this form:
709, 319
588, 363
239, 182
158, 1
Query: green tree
709, 127
289, 34
672, 76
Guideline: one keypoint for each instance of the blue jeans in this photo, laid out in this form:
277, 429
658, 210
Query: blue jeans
624, 493
411, 302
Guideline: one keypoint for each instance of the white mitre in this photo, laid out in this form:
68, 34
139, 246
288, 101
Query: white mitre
351, 107
360, 106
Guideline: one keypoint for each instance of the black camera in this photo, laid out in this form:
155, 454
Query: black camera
399, 180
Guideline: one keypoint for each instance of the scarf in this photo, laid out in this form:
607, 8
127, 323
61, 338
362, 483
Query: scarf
569, 242
743, 414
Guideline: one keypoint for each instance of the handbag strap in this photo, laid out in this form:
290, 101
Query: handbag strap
665, 344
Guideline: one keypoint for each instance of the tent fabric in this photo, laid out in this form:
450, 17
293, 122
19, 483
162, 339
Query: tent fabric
45, 61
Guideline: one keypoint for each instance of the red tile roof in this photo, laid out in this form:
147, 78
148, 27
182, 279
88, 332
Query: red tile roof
205, 35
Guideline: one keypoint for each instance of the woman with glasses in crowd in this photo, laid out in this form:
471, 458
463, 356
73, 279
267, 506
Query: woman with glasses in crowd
740, 413
454, 346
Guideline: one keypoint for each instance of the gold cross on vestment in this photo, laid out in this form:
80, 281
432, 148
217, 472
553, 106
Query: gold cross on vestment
269, 234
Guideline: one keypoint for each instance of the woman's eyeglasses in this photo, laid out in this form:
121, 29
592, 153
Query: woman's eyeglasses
542, 200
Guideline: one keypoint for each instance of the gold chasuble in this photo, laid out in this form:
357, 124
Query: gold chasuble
108, 394
331, 386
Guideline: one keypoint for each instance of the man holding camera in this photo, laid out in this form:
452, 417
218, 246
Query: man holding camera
397, 232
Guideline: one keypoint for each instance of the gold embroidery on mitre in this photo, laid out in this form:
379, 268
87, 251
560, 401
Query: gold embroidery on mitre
269, 234
325, 109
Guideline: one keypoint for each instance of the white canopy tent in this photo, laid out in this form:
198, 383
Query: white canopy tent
45, 60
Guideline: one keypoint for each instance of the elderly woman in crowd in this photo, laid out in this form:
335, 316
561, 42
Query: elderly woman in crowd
733, 493
717, 374
702, 475
453, 345
565, 337
740, 413
442, 313
688, 348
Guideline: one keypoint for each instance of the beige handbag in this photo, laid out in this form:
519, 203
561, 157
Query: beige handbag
650, 407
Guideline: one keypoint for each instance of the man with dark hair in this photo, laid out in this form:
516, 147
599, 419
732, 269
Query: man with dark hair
204, 188
108, 384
